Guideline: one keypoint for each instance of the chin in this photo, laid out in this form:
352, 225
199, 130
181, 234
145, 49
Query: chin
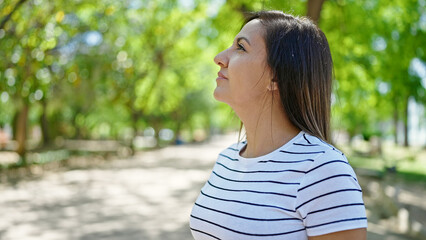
217, 95
222, 95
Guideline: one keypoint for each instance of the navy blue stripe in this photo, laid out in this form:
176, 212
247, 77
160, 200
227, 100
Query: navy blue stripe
338, 206
322, 180
301, 152
277, 171
208, 234
233, 149
333, 161
251, 191
329, 193
343, 220
275, 161
248, 218
305, 145
248, 203
306, 139
246, 181
244, 233
232, 159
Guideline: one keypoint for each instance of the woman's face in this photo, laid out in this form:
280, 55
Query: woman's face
244, 74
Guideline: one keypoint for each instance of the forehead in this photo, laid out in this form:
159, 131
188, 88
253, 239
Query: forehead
253, 31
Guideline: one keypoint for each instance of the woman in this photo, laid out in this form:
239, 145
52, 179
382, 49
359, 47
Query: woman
285, 181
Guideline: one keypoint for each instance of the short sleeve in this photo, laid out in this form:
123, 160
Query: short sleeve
329, 198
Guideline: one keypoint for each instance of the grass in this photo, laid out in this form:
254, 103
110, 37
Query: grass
410, 163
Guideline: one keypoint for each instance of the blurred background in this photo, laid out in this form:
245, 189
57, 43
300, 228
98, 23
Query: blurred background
108, 125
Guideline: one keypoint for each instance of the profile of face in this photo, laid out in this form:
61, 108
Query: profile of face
244, 76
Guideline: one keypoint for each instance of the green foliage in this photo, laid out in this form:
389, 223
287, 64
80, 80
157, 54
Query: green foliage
373, 44
95, 69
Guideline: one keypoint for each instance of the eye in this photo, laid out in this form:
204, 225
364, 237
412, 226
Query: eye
240, 47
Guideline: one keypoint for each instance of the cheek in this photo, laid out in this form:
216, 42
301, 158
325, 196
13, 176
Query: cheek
248, 74
239, 69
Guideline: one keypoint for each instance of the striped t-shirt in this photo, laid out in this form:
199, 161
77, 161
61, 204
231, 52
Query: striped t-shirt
304, 188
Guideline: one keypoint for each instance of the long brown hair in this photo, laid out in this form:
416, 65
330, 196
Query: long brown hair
300, 59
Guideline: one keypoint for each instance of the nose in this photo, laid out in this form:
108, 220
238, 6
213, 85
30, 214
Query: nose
221, 59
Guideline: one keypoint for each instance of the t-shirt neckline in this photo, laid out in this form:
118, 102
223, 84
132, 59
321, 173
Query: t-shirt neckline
255, 159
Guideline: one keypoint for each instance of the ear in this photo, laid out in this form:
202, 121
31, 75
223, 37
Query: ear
273, 86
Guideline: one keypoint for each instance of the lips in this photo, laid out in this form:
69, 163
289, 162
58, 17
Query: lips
220, 75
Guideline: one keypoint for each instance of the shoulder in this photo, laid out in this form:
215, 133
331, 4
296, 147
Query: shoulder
329, 160
326, 151
310, 140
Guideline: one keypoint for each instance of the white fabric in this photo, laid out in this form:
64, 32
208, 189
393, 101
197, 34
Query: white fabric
304, 188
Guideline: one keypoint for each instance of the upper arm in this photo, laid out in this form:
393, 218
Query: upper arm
329, 198
354, 234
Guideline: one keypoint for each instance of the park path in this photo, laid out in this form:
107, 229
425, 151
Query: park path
148, 196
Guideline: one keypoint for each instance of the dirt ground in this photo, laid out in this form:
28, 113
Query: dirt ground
148, 196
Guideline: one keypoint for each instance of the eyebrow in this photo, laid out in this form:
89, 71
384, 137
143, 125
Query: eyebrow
243, 38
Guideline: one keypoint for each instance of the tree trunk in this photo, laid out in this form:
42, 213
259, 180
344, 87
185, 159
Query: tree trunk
21, 131
134, 118
406, 144
395, 121
157, 128
78, 131
15, 124
44, 124
314, 10
177, 137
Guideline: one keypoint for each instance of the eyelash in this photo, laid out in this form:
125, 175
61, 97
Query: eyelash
240, 47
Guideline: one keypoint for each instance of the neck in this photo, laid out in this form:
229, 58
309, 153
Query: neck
267, 128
